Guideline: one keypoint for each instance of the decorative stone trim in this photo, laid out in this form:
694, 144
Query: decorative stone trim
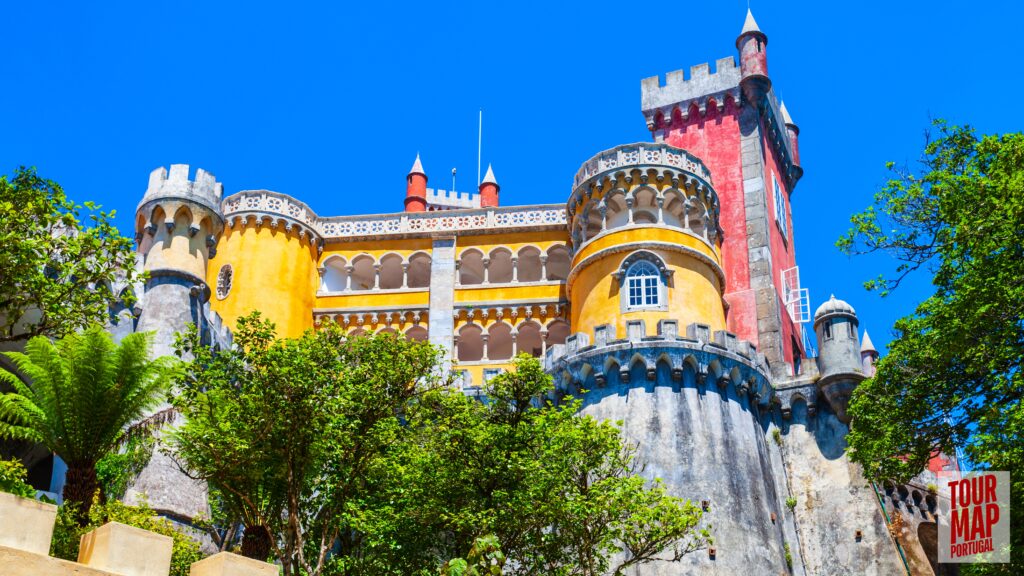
274, 205
639, 155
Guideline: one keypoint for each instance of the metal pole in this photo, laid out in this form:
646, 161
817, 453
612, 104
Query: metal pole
479, 146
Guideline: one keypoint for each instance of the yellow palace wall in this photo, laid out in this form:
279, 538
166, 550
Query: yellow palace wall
274, 271
694, 293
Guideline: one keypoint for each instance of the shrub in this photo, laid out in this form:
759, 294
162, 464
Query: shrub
777, 436
12, 479
789, 555
791, 503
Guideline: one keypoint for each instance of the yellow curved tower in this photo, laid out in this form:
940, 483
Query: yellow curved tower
645, 241
266, 260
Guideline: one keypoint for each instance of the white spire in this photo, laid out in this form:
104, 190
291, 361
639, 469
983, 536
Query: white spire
417, 167
749, 25
786, 119
489, 177
866, 345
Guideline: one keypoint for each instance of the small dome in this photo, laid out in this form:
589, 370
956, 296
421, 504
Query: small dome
833, 307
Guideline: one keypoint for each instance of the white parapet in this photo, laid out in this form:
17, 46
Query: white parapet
26, 525
228, 564
126, 550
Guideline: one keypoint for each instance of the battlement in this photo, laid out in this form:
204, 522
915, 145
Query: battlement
701, 85
445, 199
176, 184
718, 356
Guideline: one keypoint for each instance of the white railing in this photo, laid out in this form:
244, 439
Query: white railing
398, 224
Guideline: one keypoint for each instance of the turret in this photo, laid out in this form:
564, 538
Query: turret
178, 224
753, 44
489, 190
839, 353
794, 135
868, 356
416, 188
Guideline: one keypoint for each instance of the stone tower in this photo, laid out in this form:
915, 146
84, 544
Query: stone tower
178, 223
839, 355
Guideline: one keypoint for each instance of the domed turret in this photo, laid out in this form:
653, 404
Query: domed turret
839, 360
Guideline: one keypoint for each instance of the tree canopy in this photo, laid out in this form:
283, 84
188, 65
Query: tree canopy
353, 456
952, 376
80, 396
59, 269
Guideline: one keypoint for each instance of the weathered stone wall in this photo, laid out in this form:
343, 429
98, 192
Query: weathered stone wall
705, 443
833, 499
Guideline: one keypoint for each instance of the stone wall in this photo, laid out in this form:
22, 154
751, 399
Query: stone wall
111, 550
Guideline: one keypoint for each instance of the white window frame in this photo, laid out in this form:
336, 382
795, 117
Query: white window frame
780, 208
643, 280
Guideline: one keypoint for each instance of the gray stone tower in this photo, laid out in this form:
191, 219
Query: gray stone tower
839, 354
177, 225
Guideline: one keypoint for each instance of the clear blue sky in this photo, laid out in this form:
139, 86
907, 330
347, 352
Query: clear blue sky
330, 102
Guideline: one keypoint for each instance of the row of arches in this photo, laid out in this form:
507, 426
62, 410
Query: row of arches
502, 266
502, 341
393, 271
363, 272
645, 205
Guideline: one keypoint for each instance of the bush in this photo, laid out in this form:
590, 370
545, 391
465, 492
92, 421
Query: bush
791, 503
777, 436
67, 533
12, 479
789, 555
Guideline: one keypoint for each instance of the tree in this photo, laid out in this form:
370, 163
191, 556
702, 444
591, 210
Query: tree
557, 490
58, 274
952, 376
79, 397
289, 431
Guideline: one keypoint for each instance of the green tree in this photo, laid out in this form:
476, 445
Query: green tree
78, 398
952, 376
557, 490
58, 272
289, 431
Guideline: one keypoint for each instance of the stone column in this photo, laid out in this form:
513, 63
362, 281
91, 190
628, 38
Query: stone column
348, 278
515, 343
515, 269
376, 276
543, 267
405, 275
483, 340
487, 267
543, 341
661, 210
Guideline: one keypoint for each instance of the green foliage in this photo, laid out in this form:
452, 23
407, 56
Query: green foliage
484, 558
290, 432
953, 374
777, 436
12, 479
118, 469
789, 555
83, 393
791, 503
67, 533
556, 489
57, 269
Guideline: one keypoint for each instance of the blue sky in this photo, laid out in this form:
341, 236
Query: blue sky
331, 102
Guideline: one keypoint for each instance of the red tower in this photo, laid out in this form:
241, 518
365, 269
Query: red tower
416, 188
732, 120
489, 190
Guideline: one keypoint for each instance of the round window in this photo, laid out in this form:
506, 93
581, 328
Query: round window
224, 281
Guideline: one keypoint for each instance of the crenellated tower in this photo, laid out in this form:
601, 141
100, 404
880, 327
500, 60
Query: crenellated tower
178, 223
730, 118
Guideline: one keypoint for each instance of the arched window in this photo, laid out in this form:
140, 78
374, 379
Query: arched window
643, 285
